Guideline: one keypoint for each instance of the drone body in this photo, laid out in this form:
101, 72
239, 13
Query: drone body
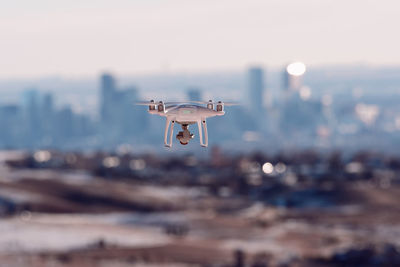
185, 113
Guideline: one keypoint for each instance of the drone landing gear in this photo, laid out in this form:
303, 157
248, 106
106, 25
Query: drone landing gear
185, 136
203, 123
169, 120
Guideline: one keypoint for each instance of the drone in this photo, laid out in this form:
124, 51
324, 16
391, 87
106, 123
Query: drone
185, 114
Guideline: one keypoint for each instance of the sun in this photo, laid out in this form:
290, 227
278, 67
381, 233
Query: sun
296, 68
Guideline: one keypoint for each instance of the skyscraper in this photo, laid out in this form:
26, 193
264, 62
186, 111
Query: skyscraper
47, 114
108, 90
32, 115
47, 104
256, 88
127, 112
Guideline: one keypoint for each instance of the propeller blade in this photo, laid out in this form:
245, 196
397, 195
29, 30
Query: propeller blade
145, 103
230, 104
216, 103
186, 102
177, 103
200, 102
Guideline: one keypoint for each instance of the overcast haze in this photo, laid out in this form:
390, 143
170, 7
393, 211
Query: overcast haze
130, 37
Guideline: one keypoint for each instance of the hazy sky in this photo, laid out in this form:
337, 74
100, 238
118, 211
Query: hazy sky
131, 37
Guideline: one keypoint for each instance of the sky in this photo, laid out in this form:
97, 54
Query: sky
78, 38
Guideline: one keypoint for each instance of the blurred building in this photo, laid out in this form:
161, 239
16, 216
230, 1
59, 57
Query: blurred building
120, 119
132, 119
32, 118
107, 97
65, 122
256, 88
48, 104
47, 114
10, 120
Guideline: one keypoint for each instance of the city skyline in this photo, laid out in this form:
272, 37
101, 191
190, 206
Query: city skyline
85, 38
325, 110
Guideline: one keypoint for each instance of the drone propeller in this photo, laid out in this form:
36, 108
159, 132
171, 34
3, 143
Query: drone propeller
148, 103
145, 103
230, 104
178, 102
216, 103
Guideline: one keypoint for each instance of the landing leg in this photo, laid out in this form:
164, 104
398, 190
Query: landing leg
166, 133
199, 125
205, 133
171, 133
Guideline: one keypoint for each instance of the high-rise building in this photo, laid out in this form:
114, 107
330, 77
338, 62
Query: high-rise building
127, 115
10, 120
65, 124
31, 105
47, 103
194, 94
108, 90
47, 114
256, 88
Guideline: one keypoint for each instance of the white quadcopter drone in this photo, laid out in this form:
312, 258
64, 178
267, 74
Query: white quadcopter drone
186, 113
